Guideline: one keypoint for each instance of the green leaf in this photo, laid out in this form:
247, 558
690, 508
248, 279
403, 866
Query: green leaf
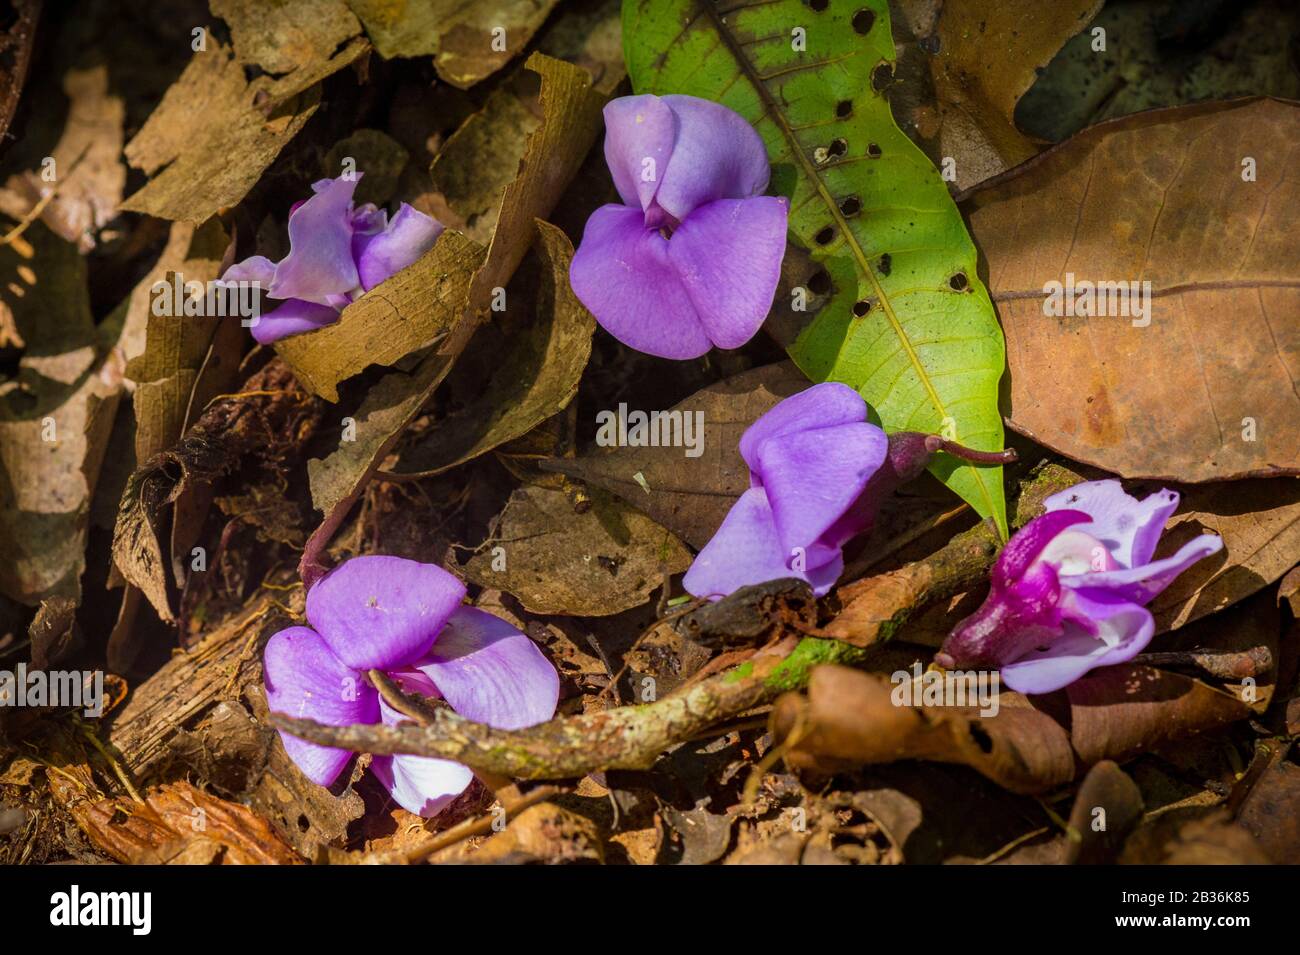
927, 351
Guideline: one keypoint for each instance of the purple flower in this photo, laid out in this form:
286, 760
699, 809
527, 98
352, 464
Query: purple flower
404, 618
1068, 592
692, 259
810, 460
337, 251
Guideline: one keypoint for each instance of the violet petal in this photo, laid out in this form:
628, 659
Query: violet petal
305, 680
746, 550
491, 673
821, 406
292, 318
1129, 528
319, 263
1123, 631
1028, 542
622, 274
716, 155
1143, 584
406, 237
423, 785
639, 136
812, 477
382, 612
728, 255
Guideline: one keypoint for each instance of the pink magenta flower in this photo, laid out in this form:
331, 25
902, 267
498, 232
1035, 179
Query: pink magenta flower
692, 258
337, 251
405, 618
1068, 592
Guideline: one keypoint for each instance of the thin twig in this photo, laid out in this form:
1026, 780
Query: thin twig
468, 828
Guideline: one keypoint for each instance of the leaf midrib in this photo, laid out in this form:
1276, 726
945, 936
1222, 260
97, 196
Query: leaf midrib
864, 264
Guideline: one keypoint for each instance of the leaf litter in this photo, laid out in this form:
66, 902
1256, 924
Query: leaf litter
451, 415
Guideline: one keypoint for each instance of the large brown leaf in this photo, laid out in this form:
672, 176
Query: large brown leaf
1208, 390
691, 496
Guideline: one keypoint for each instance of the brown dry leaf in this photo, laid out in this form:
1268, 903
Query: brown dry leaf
178, 824
536, 378
1209, 390
555, 561
1115, 713
850, 718
1271, 809
468, 41
88, 172
286, 35
1106, 808
691, 495
1122, 711
1259, 522
543, 833
1193, 837
55, 418
216, 133
165, 373
418, 307
338, 478
481, 158
571, 118
592, 37
989, 54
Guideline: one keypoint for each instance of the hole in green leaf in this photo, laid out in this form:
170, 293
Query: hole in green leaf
881, 77
861, 308
819, 5
820, 283
825, 235
874, 151
837, 148
886, 263
851, 206
958, 282
844, 108
863, 21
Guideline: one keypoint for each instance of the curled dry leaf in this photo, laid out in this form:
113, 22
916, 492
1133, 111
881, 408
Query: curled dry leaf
602, 561
1031, 744
850, 718
1203, 384
180, 824
988, 55
468, 41
536, 377
215, 133
282, 37
1123, 711
418, 307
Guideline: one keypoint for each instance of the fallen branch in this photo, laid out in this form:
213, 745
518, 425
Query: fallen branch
633, 737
